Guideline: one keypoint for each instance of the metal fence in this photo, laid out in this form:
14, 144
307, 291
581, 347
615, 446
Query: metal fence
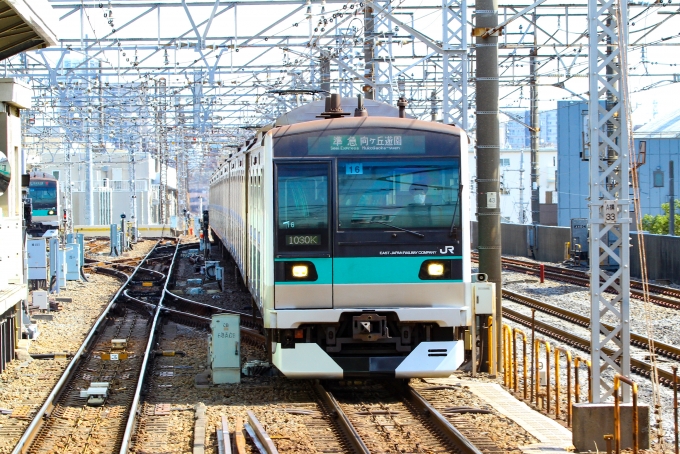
113, 185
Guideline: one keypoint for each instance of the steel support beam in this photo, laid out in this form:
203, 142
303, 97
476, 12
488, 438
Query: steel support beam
609, 194
455, 62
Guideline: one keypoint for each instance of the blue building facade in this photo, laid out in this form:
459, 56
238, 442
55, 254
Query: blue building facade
573, 173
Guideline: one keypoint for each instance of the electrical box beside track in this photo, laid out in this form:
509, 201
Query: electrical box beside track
37, 259
483, 297
225, 348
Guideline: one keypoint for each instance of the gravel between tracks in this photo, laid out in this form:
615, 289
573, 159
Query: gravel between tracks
577, 299
139, 249
27, 382
268, 397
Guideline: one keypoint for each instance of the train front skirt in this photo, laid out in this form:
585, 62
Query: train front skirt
427, 360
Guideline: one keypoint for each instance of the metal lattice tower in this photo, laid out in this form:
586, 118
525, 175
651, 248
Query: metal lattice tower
379, 34
609, 194
455, 62
162, 152
344, 38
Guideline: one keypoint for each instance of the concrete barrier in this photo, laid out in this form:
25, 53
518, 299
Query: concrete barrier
550, 241
662, 256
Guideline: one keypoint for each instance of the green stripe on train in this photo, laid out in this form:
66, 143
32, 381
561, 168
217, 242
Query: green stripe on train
383, 270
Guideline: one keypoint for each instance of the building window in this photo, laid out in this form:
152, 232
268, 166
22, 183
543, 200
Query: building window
658, 178
505, 162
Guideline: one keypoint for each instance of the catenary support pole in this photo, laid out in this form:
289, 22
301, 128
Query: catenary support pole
535, 129
671, 217
609, 196
488, 154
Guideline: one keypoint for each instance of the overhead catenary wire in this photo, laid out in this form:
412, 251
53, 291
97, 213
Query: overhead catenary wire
624, 89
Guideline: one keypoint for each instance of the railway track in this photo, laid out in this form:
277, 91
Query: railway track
78, 415
382, 418
639, 367
658, 294
669, 351
65, 421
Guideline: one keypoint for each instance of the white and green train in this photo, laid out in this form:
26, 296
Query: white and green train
348, 233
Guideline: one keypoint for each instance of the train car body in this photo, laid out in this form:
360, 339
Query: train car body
44, 194
347, 232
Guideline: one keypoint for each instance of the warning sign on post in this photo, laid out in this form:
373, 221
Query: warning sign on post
611, 215
491, 199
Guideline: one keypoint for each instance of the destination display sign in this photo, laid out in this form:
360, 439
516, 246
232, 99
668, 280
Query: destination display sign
366, 144
42, 183
303, 240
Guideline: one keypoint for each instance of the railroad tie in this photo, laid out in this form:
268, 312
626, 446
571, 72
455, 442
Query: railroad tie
199, 429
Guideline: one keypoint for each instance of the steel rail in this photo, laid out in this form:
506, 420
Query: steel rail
32, 430
659, 296
207, 308
132, 417
637, 366
661, 348
182, 317
348, 429
453, 435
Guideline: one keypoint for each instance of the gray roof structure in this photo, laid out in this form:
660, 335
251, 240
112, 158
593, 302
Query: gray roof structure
26, 25
666, 126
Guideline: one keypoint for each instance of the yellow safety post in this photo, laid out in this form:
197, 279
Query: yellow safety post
507, 358
567, 353
517, 331
489, 333
537, 348
617, 413
577, 387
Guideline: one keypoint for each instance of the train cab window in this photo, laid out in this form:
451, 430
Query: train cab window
43, 193
302, 207
376, 194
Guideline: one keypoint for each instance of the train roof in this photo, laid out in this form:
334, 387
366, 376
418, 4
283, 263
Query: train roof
40, 175
311, 111
367, 122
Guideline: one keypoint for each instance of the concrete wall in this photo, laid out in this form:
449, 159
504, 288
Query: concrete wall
551, 243
662, 252
663, 257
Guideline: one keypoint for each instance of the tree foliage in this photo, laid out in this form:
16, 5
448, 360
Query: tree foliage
659, 224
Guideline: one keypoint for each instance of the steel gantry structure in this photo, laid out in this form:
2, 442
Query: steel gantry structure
186, 81
608, 112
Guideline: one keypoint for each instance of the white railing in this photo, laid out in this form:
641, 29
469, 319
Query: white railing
113, 185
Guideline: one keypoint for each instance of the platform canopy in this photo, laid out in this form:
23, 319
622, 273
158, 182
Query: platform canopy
26, 25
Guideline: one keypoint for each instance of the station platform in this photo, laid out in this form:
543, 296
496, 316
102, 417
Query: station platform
552, 436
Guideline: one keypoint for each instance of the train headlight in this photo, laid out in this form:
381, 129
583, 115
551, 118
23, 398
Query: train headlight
51, 212
435, 269
300, 271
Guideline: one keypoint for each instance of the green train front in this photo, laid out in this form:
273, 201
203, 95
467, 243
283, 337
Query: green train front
354, 248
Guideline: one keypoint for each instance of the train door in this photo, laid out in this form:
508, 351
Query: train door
303, 268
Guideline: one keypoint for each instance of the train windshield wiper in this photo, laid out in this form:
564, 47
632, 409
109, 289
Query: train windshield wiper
454, 228
371, 221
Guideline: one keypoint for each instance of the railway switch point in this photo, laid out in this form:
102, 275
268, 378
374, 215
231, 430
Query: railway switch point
593, 421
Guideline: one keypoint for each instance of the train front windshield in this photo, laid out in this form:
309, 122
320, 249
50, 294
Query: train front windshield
410, 194
43, 194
